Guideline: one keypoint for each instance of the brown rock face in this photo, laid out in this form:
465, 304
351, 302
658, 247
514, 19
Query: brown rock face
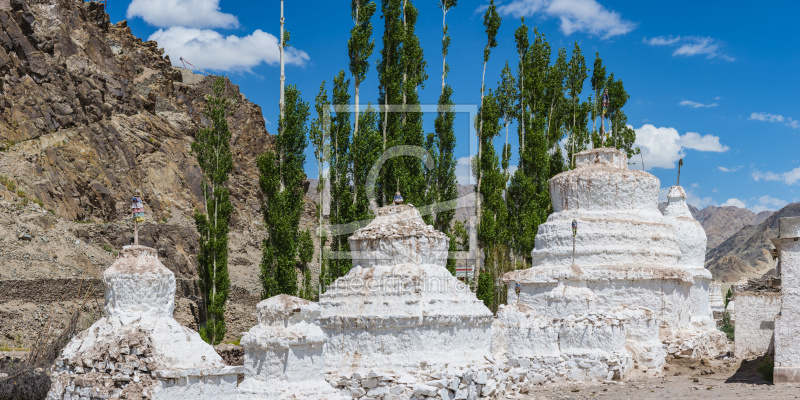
92, 115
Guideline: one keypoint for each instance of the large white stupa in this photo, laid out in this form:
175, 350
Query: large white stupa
399, 309
138, 350
618, 287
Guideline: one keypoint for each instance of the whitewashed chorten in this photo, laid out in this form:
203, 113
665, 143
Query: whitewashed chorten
399, 308
138, 350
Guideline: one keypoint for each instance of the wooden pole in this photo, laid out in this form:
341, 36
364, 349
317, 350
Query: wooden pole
135, 232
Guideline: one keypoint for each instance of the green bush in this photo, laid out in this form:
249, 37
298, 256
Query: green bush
8, 183
765, 368
727, 327
107, 247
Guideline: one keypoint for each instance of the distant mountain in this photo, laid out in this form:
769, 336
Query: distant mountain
721, 223
746, 253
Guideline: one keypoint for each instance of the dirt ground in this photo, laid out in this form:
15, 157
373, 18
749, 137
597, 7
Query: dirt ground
681, 379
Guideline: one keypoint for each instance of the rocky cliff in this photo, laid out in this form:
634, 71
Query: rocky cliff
92, 115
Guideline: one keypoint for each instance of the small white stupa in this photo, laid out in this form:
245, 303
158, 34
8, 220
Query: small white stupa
692, 241
138, 350
616, 288
284, 354
715, 298
399, 308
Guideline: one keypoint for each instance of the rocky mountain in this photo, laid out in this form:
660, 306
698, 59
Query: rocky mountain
721, 223
93, 115
746, 253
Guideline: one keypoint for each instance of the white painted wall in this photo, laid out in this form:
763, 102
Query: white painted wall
755, 323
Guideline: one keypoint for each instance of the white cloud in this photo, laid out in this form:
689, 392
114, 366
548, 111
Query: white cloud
768, 203
694, 141
789, 178
695, 104
586, 16
208, 49
189, 13
662, 40
734, 202
731, 169
774, 118
691, 46
762, 116
663, 147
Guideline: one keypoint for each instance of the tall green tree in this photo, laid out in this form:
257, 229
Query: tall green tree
521, 40
622, 137
366, 151
445, 190
598, 84
320, 139
401, 72
491, 23
507, 104
213, 151
491, 226
306, 253
339, 176
576, 76
281, 182
360, 47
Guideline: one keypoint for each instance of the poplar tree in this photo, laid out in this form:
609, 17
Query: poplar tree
360, 47
413, 177
390, 92
598, 83
576, 75
491, 228
521, 40
306, 253
281, 182
339, 176
506, 103
623, 137
445, 189
491, 21
213, 151
320, 139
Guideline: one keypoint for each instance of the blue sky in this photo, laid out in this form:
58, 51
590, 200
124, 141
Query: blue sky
713, 82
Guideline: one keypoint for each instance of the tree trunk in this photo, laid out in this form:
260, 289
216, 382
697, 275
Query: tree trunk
282, 101
480, 149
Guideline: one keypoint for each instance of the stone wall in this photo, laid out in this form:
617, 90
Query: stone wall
755, 322
490, 379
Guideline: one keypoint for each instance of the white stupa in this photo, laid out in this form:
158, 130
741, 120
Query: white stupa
715, 299
399, 308
138, 350
284, 355
692, 241
621, 292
